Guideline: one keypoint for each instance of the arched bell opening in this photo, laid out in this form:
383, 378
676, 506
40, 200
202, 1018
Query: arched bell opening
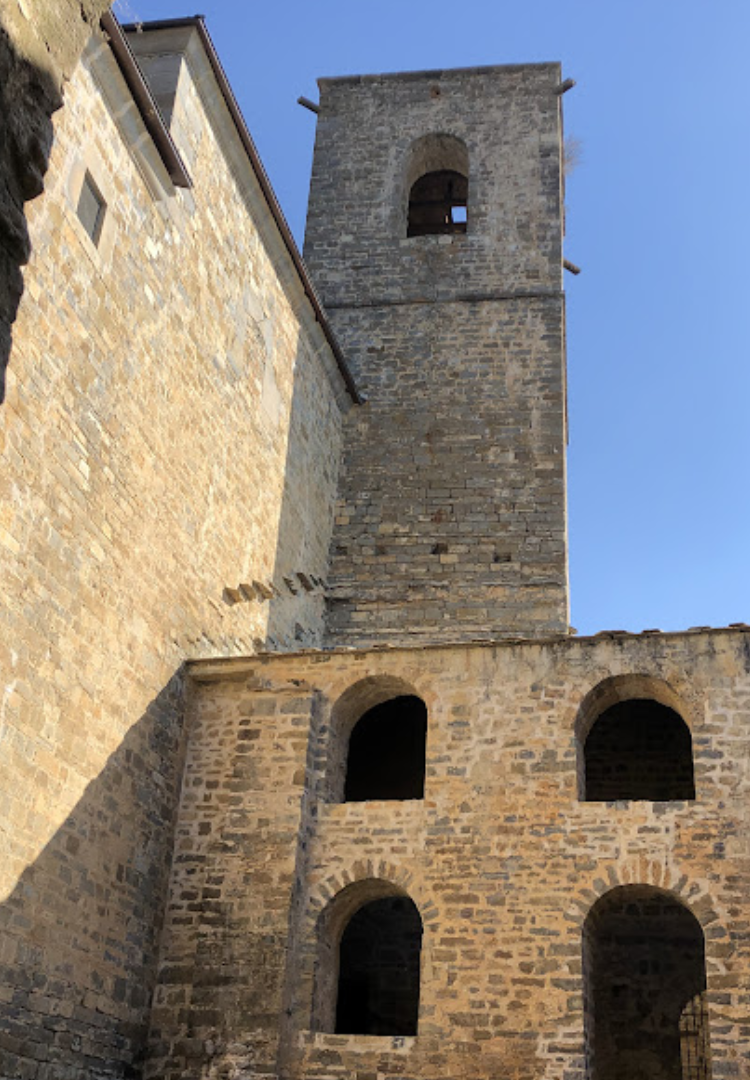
437, 186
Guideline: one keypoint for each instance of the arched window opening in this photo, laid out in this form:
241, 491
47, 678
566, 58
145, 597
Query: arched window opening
639, 749
386, 758
438, 204
437, 185
379, 954
645, 982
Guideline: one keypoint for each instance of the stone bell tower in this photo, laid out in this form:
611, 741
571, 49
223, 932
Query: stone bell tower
434, 236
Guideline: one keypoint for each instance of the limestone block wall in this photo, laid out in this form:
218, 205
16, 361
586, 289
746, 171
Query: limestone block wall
502, 857
171, 432
451, 514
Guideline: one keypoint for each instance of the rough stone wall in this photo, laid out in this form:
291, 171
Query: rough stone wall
221, 985
502, 858
40, 43
171, 430
451, 515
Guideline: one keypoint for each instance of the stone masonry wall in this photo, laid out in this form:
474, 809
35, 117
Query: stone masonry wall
502, 858
451, 514
171, 430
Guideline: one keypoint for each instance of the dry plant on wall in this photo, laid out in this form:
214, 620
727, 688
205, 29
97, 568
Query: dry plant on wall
572, 154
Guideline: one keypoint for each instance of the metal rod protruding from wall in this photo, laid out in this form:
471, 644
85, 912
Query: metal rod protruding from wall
307, 104
565, 86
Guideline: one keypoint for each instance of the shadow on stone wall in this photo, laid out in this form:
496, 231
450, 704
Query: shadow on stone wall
79, 933
37, 55
28, 98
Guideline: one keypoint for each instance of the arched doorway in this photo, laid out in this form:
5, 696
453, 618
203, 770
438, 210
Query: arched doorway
645, 981
378, 989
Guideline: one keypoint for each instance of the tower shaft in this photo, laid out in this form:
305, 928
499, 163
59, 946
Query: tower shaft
434, 235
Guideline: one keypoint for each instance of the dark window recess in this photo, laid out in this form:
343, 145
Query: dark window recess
639, 749
91, 208
386, 757
645, 982
378, 991
438, 204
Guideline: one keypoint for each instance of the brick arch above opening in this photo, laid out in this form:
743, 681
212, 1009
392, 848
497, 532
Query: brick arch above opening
383, 757
369, 879
364, 695
626, 687
436, 152
637, 890
339, 910
648, 873
634, 742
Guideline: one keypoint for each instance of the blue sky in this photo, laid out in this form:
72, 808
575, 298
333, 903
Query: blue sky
659, 220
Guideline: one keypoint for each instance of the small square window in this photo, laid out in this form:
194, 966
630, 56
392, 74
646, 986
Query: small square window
458, 215
91, 208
